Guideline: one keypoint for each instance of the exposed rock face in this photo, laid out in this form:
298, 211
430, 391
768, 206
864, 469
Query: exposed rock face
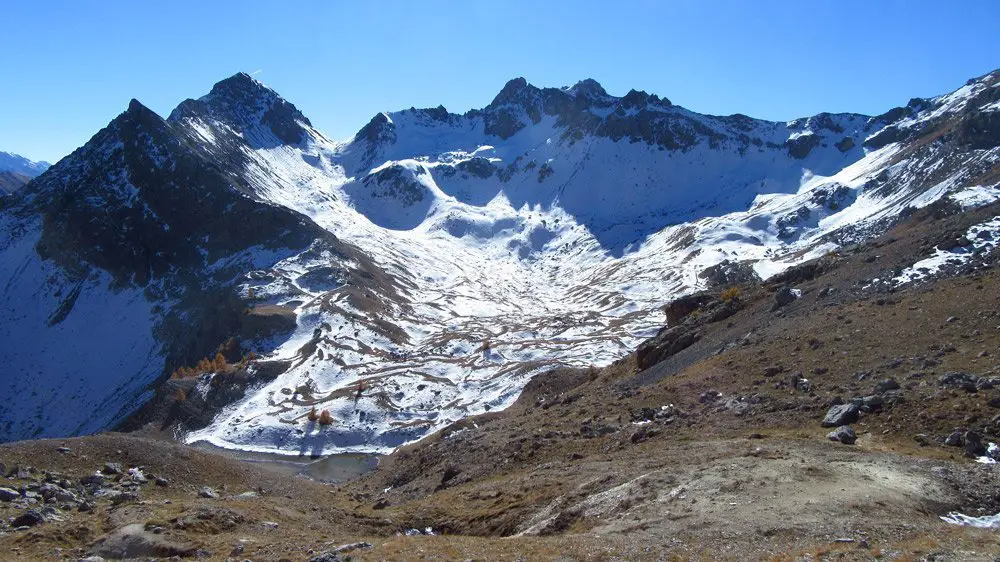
678, 309
800, 146
729, 273
666, 343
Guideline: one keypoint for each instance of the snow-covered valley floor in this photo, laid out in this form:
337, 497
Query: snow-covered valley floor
488, 296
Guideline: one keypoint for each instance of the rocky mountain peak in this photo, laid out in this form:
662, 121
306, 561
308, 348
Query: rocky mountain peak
380, 129
588, 88
245, 104
511, 93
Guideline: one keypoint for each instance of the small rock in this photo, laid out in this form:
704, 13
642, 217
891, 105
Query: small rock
886, 386
162, 482
209, 493
709, 396
112, 468
841, 415
326, 557
63, 450
353, 546
844, 434
952, 319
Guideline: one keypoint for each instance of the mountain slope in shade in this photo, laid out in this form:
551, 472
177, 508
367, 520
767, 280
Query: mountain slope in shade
12, 181
428, 267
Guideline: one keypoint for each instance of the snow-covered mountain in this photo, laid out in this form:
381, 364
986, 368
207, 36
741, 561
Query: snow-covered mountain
15, 171
425, 269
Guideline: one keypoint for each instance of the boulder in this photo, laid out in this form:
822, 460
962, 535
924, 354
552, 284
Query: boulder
8, 495
974, 446
955, 439
58, 493
784, 296
844, 434
92, 480
841, 415
29, 518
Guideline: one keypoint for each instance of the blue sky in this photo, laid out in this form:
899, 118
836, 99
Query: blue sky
70, 66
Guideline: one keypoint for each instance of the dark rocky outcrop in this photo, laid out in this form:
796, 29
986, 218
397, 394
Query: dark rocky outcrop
843, 414
800, 146
666, 343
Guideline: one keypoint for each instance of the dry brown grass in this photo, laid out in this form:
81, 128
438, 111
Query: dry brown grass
325, 418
